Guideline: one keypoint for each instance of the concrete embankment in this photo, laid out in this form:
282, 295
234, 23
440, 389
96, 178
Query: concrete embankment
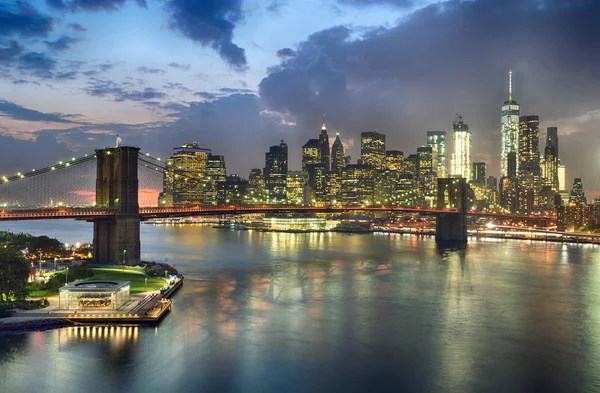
19, 325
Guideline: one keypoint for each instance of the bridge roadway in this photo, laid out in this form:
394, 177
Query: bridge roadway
147, 213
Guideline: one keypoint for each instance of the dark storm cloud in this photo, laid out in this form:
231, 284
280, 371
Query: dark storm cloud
121, 91
62, 43
90, 5
76, 27
285, 52
210, 23
18, 112
183, 67
146, 70
447, 58
19, 18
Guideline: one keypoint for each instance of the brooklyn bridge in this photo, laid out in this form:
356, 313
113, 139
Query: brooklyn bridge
115, 188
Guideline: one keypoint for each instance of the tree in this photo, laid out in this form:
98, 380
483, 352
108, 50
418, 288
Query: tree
14, 271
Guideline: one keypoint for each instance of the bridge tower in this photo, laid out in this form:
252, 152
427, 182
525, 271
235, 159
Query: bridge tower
117, 239
451, 228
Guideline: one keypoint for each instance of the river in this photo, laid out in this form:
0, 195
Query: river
325, 312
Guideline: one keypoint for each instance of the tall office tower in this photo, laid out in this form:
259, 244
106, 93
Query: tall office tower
358, 185
275, 172
231, 191
461, 158
394, 161
427, 167
372, 149
562, 177
410, 167
512, 164
528, 162
317, 180
311, 153
214, 173
551, 159
509, 123
338, 161
184, 176
324, 148
437, 140
479, 173
577, 194
255, 191
296, 187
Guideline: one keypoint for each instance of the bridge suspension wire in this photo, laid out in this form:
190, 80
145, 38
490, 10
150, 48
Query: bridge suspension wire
67, 183
150, 179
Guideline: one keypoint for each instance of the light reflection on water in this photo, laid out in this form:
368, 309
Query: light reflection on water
337, 312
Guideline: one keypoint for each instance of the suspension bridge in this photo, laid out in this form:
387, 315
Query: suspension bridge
116, 188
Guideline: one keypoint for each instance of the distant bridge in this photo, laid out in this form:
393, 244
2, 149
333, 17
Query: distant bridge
115, 201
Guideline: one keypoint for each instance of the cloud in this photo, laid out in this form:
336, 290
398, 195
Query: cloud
366, 3
210, 23
40, 153
146, 70
90, 5
21, 19
285, 52
39, 64
62, 43
18, 112
206, 95
76, 27
121, 92
184, 67
10, 52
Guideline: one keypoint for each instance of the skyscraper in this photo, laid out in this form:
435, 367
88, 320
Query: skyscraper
528, 162
437, 140
372, 149
324, 148
311, 153
479, 173
461, 158
562, 177
275, 172
427, 168
551, 159
214, 173
337, 155
577, 194
394, 161
255, 191
509, 128
184, 176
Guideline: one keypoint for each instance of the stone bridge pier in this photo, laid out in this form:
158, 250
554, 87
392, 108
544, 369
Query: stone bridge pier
451, 228
117, 239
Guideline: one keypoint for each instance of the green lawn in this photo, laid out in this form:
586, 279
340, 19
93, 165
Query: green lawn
136, 277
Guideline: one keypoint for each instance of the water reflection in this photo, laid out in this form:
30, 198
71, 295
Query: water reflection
266, 312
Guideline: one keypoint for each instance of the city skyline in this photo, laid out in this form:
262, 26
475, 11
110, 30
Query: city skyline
252, 102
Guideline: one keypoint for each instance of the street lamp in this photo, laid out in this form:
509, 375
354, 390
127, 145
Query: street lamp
124, 254
67, 277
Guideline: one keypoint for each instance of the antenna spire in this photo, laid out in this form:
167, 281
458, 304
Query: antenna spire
509, 85
323, 128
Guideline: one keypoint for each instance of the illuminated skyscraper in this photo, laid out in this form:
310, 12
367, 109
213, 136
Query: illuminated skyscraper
275, 172
296, 187
551, 159
509, 129
324, 148
427, 168
461, 158
528, 162
184, 176
372, 149
479, 173
577, 194
562, 177
214, 173
394, 160
337, 156
255, 191
311, 153
437, 140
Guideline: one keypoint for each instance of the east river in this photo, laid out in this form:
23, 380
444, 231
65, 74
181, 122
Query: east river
278, 312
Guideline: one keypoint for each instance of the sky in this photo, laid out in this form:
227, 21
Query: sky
240, 75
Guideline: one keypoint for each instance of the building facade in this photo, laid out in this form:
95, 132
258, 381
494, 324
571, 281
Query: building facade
461, 158
509, 129
372, 149
275, 173
437, 140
